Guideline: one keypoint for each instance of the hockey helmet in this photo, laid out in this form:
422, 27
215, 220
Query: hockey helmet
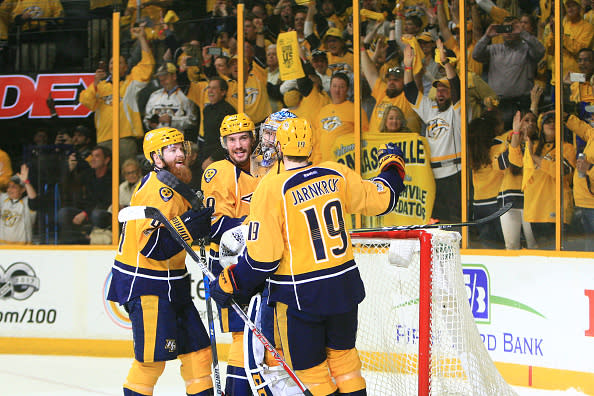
155, 140
295, 137
236, 123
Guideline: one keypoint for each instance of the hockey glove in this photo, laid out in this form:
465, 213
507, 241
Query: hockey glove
223, 287
232, 245
193, 224
391, 157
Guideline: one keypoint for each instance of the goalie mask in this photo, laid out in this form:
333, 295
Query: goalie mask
264, 156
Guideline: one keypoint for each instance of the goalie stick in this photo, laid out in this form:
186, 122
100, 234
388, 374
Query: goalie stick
147, 212
482, 220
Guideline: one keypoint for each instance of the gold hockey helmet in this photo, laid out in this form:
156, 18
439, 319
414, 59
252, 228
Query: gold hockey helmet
155, 140
295, 137
236, 123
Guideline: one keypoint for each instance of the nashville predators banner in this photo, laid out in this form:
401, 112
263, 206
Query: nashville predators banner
287, 52
416, 201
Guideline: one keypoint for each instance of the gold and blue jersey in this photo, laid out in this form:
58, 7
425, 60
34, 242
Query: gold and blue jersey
297, 236
228, 189
148, 260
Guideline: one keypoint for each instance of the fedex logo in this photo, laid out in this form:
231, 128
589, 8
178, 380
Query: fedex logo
476, 283
21, 95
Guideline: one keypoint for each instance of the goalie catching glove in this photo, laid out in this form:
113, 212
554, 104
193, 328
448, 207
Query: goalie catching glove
232, 245
223, 287
391, 157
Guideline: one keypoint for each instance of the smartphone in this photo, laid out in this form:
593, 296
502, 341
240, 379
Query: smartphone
577, 77
215, 51
102, 66
503, 28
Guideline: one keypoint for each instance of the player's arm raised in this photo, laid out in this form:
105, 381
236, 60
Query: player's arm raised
379, 195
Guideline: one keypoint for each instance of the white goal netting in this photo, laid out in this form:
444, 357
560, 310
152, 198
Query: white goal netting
390, 339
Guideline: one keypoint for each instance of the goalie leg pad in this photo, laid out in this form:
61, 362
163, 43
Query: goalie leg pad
142, 377
195, 370
345, 367
317, 379
265, 379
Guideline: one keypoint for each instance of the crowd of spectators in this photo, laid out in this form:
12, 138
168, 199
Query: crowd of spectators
179, 68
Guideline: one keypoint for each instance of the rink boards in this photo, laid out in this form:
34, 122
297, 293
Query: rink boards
535, 313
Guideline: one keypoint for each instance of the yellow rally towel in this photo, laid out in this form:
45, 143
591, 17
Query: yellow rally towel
419, 55
287, 52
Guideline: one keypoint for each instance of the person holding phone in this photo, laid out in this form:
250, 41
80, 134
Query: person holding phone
512, 65
98, 98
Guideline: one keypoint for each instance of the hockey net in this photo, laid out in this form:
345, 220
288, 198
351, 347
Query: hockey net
417, 335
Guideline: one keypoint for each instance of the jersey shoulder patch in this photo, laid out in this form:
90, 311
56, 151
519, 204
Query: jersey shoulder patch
209, 174
166, 193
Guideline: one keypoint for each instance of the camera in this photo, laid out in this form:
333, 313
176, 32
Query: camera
215, 51
154, 119
192, 61
503, 28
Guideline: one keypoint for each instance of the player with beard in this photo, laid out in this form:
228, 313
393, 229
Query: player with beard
387, 92
149, 276
228, 186
442, 117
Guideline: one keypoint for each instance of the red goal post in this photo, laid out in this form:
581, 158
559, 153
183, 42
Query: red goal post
417, 335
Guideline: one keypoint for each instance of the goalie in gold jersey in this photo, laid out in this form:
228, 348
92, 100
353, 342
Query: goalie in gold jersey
150, 279
296, 238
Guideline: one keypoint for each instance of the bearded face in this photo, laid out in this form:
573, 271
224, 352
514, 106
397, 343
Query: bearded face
175, 161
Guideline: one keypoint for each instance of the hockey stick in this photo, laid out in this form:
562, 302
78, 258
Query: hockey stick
211, 326
483, 220
147, 212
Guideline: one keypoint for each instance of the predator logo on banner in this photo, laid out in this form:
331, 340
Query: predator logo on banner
416, 201
287, 52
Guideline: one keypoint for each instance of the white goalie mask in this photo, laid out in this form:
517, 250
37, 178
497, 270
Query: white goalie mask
264, 156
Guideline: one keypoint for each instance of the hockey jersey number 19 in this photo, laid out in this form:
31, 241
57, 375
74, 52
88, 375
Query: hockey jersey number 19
297, 236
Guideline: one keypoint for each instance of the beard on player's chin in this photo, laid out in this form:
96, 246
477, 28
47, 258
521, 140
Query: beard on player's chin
182, 172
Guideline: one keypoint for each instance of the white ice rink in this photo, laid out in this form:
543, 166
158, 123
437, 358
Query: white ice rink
31, 375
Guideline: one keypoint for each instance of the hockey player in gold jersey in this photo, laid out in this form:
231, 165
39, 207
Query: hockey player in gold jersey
228, 187
150, 279
296, 238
